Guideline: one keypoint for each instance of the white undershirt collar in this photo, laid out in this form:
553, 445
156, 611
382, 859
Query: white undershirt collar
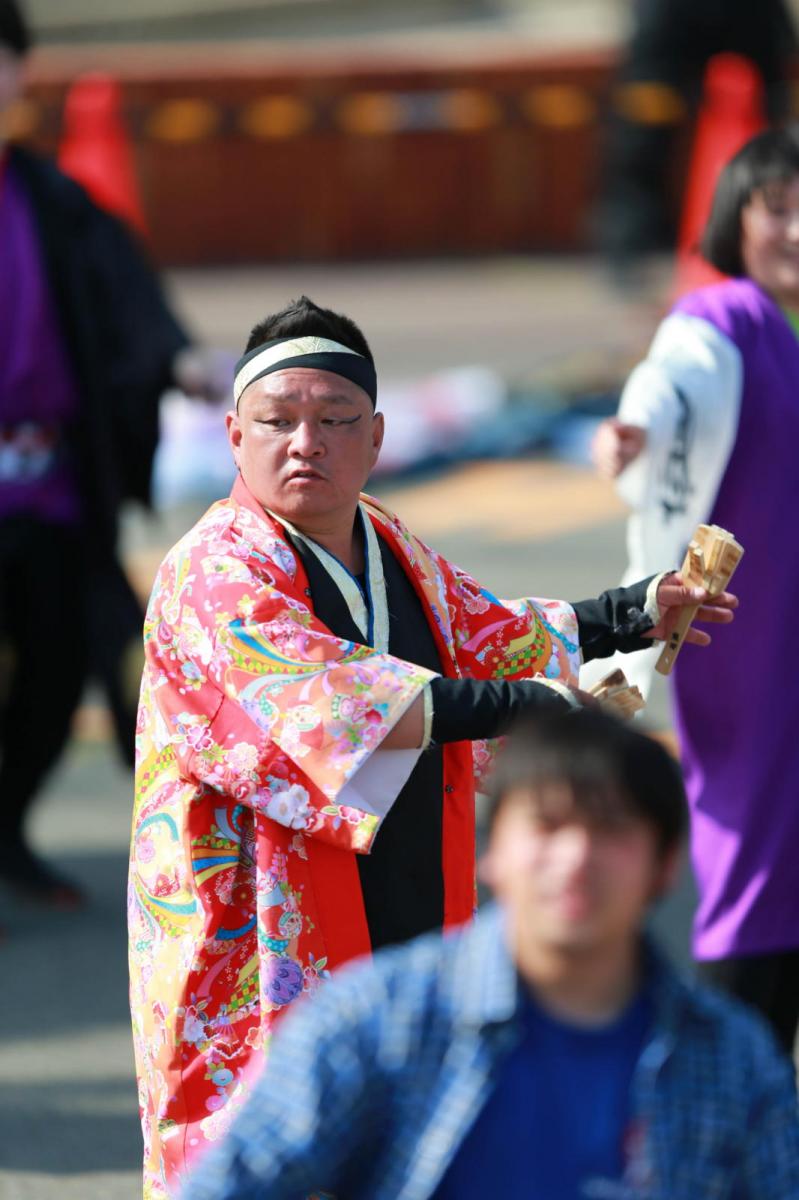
369, 612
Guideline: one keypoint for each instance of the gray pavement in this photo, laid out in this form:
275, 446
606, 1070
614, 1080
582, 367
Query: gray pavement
535, 319
68, 1123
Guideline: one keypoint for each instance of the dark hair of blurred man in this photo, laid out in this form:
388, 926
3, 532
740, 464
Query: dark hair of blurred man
547, 1052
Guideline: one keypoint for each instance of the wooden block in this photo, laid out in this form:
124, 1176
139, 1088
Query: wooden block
613, 679
710, 562
615, 693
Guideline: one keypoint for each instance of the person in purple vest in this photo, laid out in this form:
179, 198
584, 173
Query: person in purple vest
707, 432
87, 346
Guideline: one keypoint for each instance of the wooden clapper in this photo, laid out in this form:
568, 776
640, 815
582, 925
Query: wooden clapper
710, 561
614, 692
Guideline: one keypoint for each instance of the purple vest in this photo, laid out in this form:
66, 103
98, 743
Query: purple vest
737, 702
38, 394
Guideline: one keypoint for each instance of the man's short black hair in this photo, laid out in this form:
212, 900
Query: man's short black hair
607, 768
14, 30
303, 318
770, 157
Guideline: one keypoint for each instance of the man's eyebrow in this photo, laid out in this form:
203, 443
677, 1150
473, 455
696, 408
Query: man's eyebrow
288, 397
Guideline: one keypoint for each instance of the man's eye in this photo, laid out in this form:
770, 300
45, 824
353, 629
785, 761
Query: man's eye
543, 823
339, 420
273, 422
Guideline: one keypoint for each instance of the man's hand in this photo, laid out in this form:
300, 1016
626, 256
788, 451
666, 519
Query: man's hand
673, 595
615, 445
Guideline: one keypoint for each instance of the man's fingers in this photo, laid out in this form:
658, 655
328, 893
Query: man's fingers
718, 609
697, 637
719, 616
724, 600
675, 595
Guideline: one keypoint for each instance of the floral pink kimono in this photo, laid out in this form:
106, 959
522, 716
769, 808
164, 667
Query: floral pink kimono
257, 732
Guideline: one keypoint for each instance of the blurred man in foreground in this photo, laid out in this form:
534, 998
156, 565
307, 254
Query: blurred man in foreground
547, 1051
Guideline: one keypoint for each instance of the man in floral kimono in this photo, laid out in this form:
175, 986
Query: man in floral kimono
318, 692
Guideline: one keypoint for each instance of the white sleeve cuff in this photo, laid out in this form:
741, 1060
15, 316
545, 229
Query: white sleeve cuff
427, 700
560, 688
652, 609
378, 781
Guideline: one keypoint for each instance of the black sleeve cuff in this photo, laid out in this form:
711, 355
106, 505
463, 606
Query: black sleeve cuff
616, 620
466, 709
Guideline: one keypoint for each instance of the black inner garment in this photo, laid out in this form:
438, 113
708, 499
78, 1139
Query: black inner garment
402, 879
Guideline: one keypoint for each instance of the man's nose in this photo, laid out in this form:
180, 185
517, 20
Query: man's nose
792, 225
575, 845
306, 441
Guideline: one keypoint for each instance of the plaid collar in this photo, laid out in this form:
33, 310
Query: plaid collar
484, 984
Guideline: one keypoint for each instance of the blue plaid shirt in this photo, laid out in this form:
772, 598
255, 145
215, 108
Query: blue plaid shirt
372, 1085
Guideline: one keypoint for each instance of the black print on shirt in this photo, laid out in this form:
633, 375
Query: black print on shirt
676, 484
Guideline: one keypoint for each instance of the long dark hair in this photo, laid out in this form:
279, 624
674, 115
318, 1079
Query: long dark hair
770, 157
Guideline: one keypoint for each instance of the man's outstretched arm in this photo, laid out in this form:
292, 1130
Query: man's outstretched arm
628, 618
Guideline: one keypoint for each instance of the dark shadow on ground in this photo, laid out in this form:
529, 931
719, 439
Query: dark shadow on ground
94, 1130
69, 968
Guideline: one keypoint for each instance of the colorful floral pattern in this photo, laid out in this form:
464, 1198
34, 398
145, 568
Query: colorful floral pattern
253, 717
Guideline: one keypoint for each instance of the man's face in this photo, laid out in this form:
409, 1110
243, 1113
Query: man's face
305, 442
570, 884
11, 67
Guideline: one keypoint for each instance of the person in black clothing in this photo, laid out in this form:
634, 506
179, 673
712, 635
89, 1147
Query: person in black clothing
87, 346
670, 45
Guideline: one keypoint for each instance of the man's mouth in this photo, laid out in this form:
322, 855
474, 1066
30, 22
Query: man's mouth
304, 473
573, 901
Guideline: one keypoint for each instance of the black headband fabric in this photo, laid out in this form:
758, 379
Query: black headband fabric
348, 364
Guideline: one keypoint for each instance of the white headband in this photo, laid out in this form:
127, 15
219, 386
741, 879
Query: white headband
275, 356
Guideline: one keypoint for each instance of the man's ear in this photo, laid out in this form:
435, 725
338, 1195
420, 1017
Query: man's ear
486, 870
233, 427
666, 872
378, 432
